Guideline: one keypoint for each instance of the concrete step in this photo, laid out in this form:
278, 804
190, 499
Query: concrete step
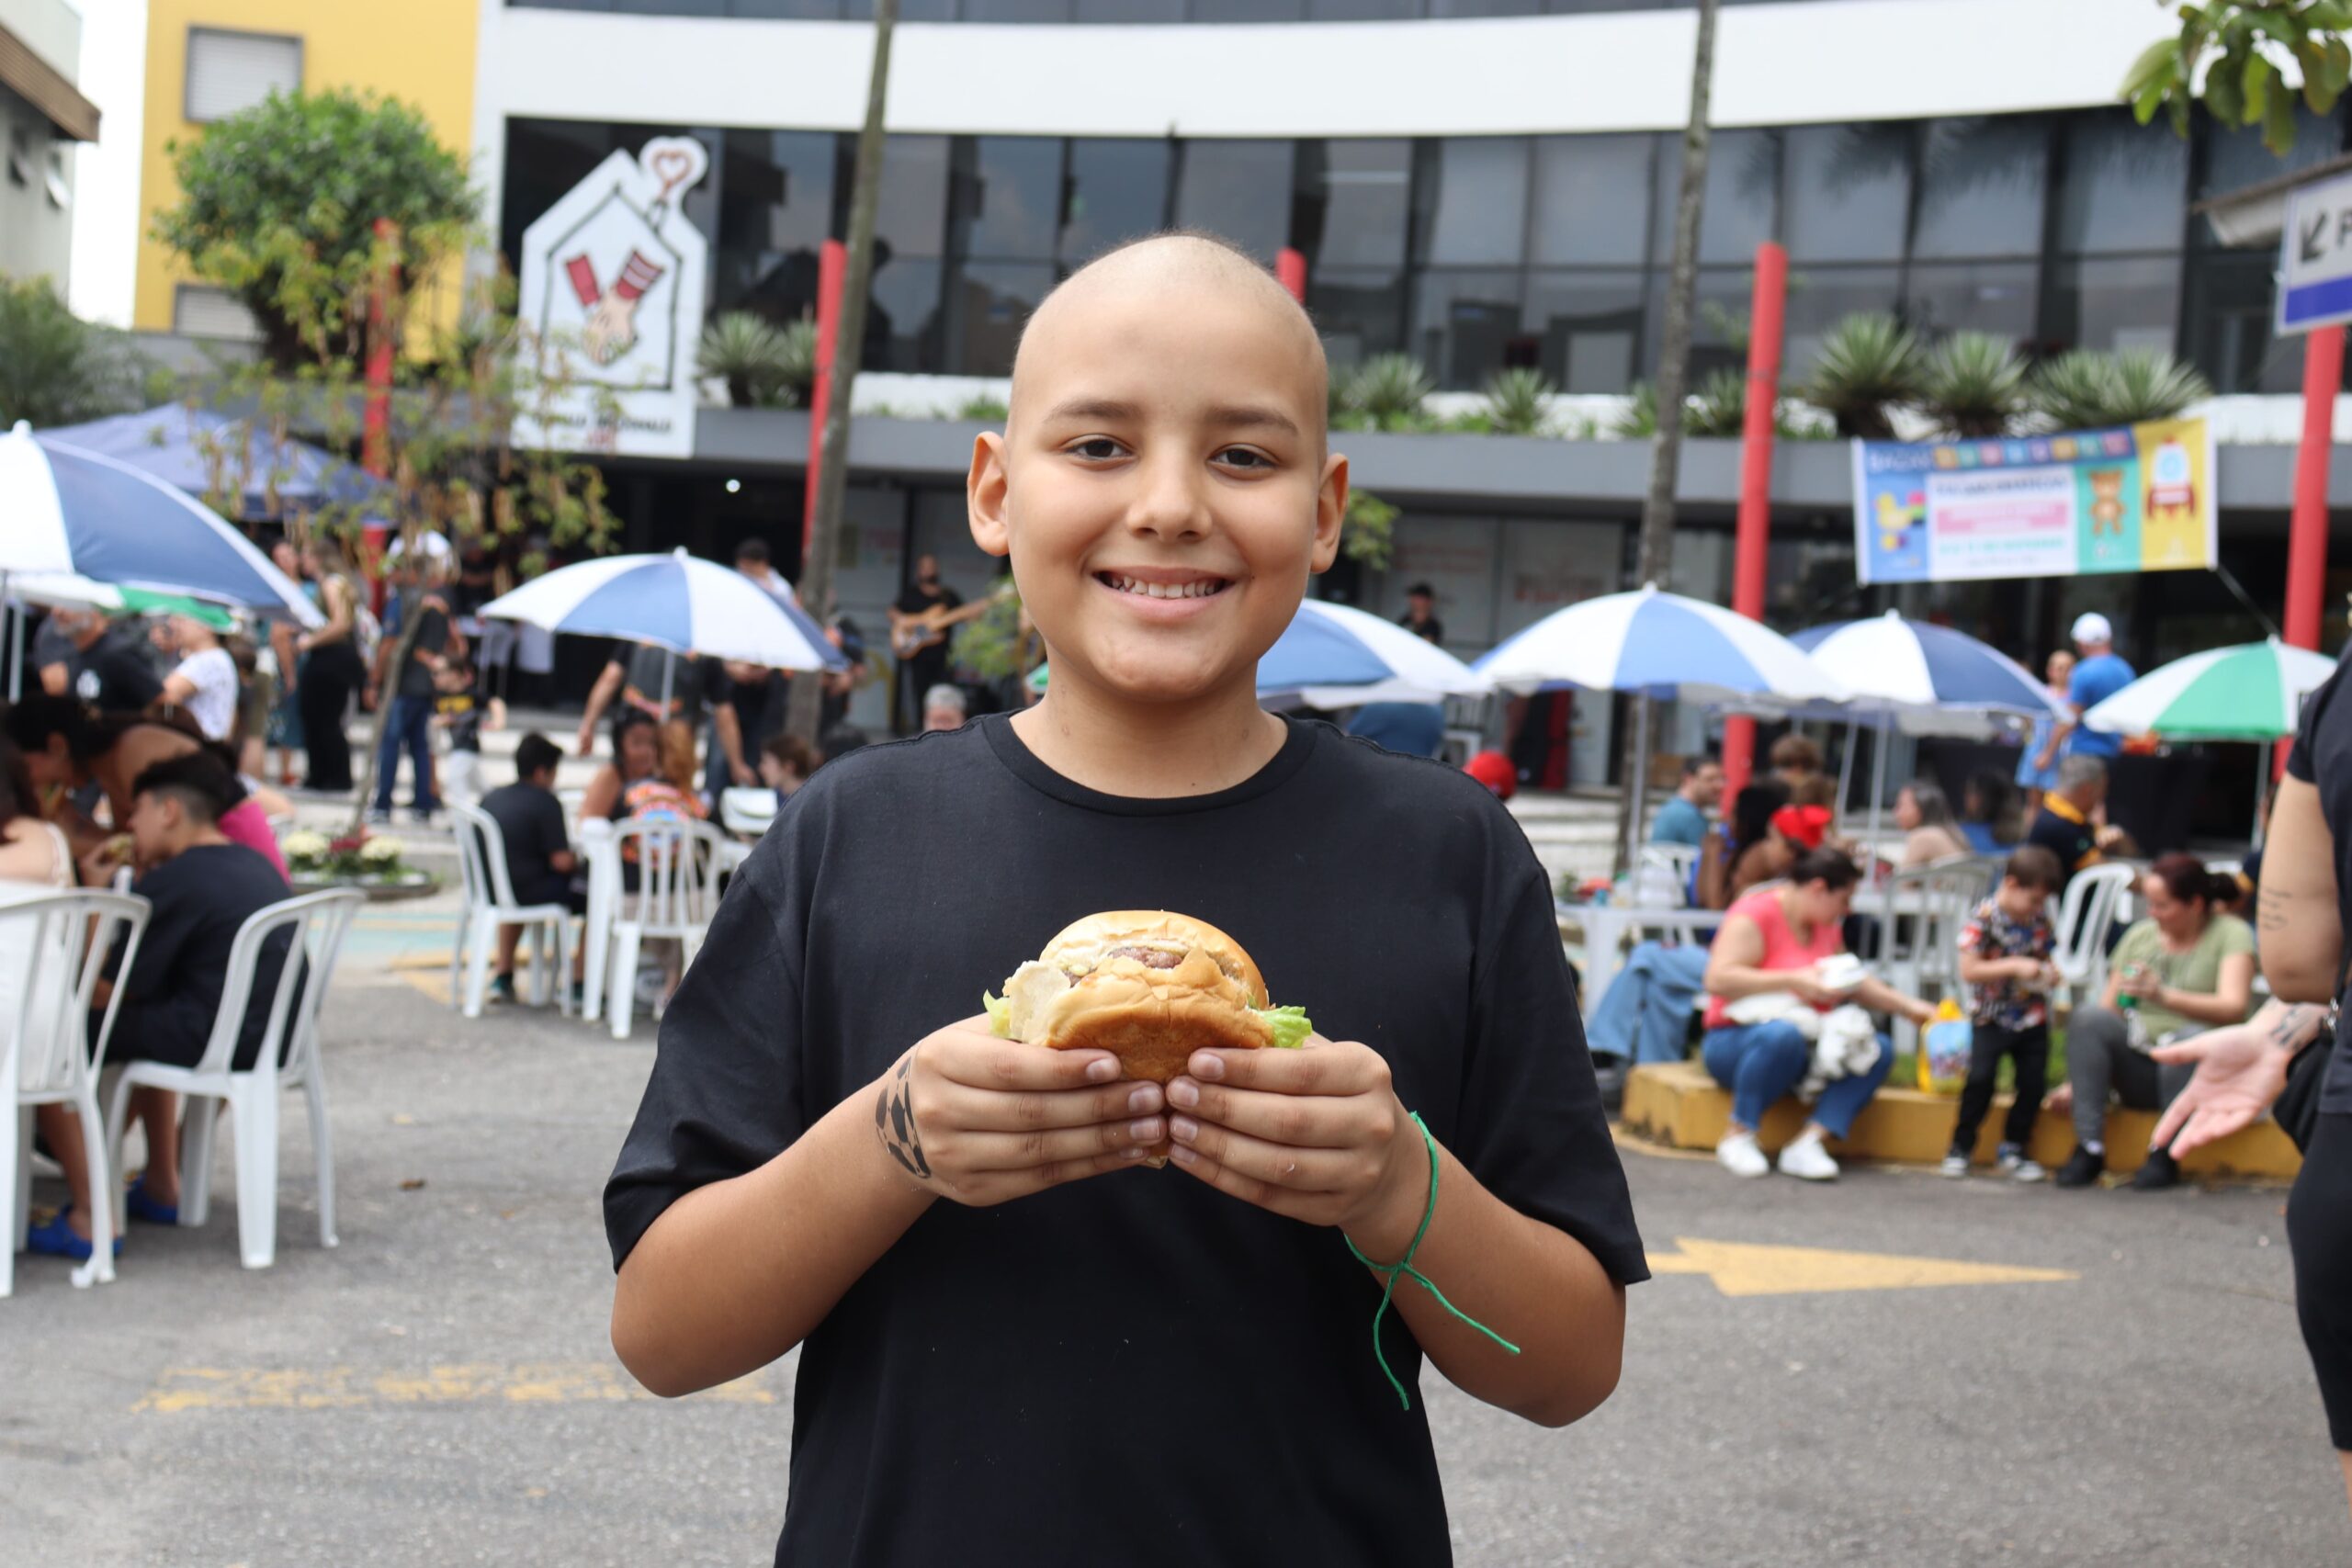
1679, 1104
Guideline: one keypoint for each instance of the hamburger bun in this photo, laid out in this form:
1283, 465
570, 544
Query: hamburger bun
1149, 987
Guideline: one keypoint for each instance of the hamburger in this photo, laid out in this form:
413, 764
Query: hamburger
1148, 987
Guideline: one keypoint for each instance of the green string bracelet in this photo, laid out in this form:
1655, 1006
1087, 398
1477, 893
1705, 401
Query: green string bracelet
1405, 1266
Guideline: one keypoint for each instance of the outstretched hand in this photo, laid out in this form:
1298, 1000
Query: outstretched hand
2240, 1072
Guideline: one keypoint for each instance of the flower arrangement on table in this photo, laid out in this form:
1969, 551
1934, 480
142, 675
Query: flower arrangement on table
354, 857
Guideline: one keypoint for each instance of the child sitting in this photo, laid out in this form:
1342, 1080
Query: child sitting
785, 762
2005, 953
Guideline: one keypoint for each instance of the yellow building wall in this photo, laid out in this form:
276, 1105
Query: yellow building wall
420, 51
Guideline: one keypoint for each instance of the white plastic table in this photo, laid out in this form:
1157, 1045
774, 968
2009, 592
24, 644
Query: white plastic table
604, 861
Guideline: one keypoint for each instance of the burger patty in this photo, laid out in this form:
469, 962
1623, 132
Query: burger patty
1149, 957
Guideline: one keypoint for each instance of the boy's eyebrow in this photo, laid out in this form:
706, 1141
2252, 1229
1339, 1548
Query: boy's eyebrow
1234, 416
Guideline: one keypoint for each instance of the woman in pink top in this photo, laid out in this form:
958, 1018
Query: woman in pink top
1775, 938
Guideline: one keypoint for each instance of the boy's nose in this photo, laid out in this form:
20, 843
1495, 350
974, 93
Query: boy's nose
1171, 506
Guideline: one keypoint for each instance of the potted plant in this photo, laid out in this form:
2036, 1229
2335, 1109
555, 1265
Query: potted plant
1973, 385
374, 863
1869, 363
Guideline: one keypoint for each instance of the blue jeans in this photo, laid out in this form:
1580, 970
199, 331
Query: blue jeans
1761, 1062
407, 725
1645, 1012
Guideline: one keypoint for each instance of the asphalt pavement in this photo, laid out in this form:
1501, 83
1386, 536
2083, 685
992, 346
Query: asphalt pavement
2092, 1378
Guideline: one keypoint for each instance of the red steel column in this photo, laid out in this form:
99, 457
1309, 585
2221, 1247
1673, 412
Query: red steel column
832, 261
1290, 270
1755, 528
376, 413
2307, 531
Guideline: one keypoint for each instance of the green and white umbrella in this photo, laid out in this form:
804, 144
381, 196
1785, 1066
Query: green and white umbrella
2253, 691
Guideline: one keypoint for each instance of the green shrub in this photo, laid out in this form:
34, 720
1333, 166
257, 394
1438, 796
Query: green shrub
1972, 384
1869, 363
1519, 402
1389, 390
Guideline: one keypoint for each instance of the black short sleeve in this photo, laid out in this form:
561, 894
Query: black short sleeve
2302, 759
725, 1096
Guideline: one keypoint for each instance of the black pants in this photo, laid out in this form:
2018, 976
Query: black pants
2319, 1229
330, 678
2030, 1049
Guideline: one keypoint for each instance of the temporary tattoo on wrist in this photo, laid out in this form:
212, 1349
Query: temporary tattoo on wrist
2293, 1027
894, 1122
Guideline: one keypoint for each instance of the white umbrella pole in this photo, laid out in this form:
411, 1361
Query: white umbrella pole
1878, 775
668, 672
1846, 767
1640, 782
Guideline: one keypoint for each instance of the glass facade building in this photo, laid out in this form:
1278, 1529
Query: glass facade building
1475, 253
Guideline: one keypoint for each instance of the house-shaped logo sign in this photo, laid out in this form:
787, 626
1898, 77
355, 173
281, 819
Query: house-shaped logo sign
612, 306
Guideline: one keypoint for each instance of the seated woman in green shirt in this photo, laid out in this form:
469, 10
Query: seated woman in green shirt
2185, 968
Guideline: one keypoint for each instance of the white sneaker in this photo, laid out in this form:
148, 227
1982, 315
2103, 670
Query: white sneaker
1738, 1153
1954, 1165
2028, 1170
1807, 1161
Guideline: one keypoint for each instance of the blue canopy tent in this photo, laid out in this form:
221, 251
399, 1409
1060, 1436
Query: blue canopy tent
189, 449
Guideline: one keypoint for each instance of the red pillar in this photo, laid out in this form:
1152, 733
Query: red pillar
832, 261
2307, 531
1290, 270
1755, 528
376, 413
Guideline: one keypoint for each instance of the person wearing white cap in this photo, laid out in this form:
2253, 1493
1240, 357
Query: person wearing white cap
2100, 675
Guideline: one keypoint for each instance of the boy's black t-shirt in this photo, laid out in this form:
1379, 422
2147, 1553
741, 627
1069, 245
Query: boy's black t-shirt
199, 898
1135, 1367
530, 821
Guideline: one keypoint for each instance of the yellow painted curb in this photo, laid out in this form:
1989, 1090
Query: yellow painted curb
1680, 1105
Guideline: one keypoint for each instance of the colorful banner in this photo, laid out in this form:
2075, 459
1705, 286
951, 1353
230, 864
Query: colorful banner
2138, 499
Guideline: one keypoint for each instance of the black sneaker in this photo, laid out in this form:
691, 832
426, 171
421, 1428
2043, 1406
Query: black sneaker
2083, 1168
2160, 1171
502, 987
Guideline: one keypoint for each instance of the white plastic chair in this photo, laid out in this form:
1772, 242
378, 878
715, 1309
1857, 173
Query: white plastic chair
1926, 905
748, 811
53, 951
489, 907
315, 924
677, 871
2084, 913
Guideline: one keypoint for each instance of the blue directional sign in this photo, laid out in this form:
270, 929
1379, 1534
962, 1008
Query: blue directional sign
2315, 257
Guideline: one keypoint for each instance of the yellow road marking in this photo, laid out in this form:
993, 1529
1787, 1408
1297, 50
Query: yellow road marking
333, 1388
1741, 1269
434, 985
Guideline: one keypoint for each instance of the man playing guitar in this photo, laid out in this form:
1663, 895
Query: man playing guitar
919, 622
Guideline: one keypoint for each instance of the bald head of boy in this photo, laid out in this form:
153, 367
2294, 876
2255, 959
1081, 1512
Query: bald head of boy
1164, 485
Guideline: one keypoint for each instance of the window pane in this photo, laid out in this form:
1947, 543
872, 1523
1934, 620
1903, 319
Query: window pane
1360, 313
902, 315
1977, 297
2119, 187
2230, 312
1486, 7
1130, 10
1011, 200
1353, 198
1465, 325
1356, 10
1475, 202
2129, 303
1981, 186
1850, 187
1117, 191
1588, 327
821, 10
1245, 10
775, 208
1016, 10
987, 304
1592, 199
1239, 189
231, 70
1820, 297
1742, 195
911, 214
2235, 159
908, 10
1718, 321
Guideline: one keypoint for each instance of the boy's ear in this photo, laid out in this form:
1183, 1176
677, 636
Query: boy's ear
984, 491
1331, 511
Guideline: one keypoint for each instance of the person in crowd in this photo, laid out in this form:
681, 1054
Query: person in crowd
841, 739
200, 887
32, 849
1989, 816
2186, 967
750, 703
1410, 729
2068, 826
636, 756
1420, 614
256, 695
334, 668
67, 749
1496, 772
1683, 818
2005, 948
1923, 815
1743, 851
106, 669
921, 648
461, 712
52, 654
284, 730
785, 762
636, 676
2305, 904
1797, 762
943, 707
204, 683
754, 561
668, 793
540, 861
406, 720
838, 687
2098, 675
2038, 766
1776, 939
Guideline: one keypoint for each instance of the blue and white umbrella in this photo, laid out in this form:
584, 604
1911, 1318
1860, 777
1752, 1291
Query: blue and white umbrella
197, 450
1335, 656
65, 510
678, 601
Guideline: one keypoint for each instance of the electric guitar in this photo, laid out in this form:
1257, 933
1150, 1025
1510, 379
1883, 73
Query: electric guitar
911, 634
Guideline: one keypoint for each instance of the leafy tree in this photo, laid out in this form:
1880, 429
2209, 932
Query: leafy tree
278, 204
56, 368
2236, 50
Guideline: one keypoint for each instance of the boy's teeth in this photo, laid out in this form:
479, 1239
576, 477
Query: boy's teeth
1167, 590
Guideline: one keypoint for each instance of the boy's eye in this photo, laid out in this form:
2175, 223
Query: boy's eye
1096, 449
1245, 458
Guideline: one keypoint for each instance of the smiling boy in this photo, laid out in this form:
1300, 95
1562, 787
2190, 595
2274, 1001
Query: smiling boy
1038, 1351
